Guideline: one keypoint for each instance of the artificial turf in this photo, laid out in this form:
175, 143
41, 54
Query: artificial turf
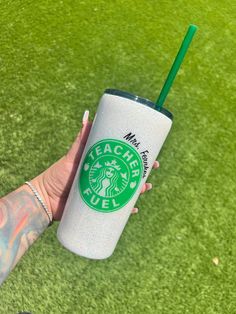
56, 59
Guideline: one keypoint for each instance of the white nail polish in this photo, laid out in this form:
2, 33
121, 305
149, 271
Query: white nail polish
85, 116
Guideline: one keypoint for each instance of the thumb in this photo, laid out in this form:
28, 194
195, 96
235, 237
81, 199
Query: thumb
77, 148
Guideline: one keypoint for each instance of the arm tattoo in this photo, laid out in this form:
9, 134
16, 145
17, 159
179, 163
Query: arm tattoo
22, 220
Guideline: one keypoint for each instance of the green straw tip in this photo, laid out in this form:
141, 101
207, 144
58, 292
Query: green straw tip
193, 27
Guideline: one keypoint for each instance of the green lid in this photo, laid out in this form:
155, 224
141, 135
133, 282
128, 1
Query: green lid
140, 100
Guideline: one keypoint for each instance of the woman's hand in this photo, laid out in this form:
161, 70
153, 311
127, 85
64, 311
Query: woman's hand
54, 183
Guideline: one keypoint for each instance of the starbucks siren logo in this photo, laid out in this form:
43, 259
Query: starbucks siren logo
110, 175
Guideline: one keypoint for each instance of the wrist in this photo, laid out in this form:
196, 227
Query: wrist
38, 183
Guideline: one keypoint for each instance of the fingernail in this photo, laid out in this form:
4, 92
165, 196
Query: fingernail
157, 165
135, 210
85, 116
149, 186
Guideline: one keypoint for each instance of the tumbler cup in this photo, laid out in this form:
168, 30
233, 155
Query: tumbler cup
125, 139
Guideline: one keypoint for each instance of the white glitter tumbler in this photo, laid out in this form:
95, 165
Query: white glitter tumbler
125, 139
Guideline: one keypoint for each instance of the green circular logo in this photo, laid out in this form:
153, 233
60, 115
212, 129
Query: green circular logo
110, 175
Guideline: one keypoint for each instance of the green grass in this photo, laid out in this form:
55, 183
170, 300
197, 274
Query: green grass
56, 59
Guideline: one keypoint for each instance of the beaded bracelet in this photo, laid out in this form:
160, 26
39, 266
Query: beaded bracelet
48, 212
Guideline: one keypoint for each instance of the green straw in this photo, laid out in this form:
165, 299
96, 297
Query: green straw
175, 66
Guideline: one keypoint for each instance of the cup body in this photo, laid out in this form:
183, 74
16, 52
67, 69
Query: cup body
125, 140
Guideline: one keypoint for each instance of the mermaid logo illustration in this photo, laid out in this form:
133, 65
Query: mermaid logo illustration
110, 175
110, 181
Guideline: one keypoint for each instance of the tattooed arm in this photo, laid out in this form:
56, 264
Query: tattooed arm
22, 220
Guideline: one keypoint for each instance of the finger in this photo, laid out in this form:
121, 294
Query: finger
156, 164
84, 132
143, 189
134, 210
81, 142
146, 187
86, 127
76, 150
